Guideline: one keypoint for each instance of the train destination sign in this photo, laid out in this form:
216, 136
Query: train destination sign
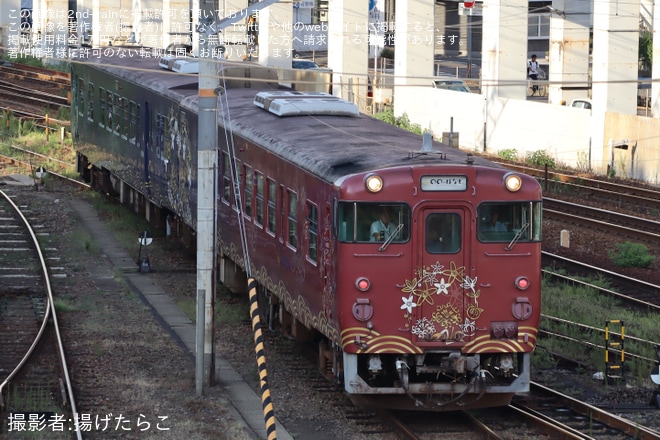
444, 183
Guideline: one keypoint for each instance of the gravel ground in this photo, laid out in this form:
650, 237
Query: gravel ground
124, 363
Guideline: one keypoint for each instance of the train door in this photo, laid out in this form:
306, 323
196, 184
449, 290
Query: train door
444, 296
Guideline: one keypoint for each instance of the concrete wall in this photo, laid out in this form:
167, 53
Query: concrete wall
526, 126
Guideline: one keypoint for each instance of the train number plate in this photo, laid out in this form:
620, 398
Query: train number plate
444, 183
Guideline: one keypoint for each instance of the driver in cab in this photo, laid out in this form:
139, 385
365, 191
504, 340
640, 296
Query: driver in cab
383, 228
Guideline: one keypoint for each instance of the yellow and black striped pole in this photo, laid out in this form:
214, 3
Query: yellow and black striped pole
269, 410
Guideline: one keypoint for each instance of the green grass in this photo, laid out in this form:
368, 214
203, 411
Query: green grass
587, 306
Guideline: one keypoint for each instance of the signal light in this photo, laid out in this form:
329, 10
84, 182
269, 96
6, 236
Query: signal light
362, 284
468, 5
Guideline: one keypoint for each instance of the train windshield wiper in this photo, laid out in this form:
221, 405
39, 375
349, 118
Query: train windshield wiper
517, 237
390, 238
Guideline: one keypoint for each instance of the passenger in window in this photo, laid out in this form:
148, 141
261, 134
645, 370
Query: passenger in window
383, 228
494, 224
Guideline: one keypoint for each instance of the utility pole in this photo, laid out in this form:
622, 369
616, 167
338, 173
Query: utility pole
207, 160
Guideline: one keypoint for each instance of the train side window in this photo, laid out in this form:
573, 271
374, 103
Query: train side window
346, 222
110, 101
226, 179
239, 179
125, 117
259, 216
271, 206
90, 102
503, 221
133, 121
247, 191
159, 136
292, 219
103, 106
312, 229
81, 96
443, 233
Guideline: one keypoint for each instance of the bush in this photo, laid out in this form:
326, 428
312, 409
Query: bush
510, 154
540, 158
631, 255
402, 121
387, 53
386, 116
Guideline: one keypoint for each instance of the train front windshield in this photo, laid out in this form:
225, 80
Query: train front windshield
375, 222
507, 221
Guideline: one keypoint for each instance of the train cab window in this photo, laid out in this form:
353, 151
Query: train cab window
443, 233
312, 229
292, 219
373, 222
500, 222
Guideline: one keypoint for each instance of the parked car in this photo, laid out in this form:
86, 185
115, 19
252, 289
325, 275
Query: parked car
304, 64
454, 84
581, 103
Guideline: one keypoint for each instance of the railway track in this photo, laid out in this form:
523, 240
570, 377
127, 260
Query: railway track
35, 384
27, 90
636, 228
45, 78
613, 192
635, 292
544, 413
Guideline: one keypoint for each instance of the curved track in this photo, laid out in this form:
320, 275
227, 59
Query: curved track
33, 365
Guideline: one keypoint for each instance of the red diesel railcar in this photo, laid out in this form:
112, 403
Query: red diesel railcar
417, 267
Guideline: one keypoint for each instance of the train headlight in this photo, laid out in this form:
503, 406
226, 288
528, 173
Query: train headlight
362, 284
512, 182
373, 183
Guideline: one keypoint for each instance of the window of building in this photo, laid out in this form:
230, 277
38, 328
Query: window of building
320, 11
292, 219
538, 26
312, 231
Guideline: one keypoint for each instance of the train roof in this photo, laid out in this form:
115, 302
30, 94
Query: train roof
329, 146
